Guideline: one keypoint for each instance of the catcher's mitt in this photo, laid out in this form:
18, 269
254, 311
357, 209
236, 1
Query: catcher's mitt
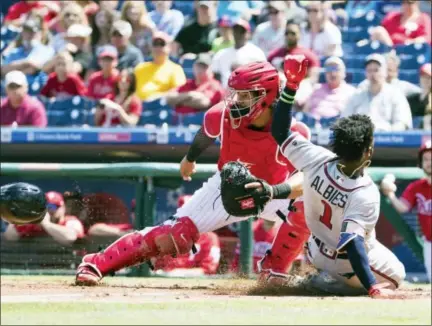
236, 199
22, 203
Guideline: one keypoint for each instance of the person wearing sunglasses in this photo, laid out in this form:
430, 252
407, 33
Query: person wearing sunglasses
65, 229
160, 75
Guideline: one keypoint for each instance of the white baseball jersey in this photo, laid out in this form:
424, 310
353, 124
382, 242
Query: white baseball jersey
330, 197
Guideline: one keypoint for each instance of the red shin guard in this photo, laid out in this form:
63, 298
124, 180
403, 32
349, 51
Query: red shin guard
139, 246
288, 243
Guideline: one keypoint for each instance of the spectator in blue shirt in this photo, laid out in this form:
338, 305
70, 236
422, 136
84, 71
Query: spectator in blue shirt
167, 20
30, 54
237, 9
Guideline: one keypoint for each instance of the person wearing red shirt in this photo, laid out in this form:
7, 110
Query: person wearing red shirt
264, 233
292, 38
408, 26
205, 260
19, 11
62, 83
19, 108
125, 109
199, 93
417, 195
65, 229
102, 83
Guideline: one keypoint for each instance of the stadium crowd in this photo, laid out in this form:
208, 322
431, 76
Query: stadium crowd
120, 63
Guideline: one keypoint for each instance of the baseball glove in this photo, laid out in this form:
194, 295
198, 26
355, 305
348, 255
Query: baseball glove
22, 203
236, 199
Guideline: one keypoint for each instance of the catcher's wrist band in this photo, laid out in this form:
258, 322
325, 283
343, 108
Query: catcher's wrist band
281, 191
288, 95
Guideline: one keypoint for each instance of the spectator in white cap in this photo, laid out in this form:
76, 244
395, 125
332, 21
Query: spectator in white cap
270, 35
19, 108
129, 56
393, 63
388, 109
329, 99
243, 52
77, 39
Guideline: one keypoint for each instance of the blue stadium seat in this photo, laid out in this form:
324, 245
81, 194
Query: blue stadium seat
355, 34
418, 122
371, 47
186, 7
421, 50
369, 19
411, 76
9, 33
156, 117
355, 61
187, 66
36, 82
67, 112
411, 61
190, 119
307, 119
327, 122
355, 76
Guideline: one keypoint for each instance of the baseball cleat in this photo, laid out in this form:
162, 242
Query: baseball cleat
87, 275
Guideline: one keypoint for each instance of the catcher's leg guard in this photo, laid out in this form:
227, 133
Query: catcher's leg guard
135, 248
287, 245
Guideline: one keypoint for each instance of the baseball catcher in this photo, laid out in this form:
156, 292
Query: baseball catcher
22, 203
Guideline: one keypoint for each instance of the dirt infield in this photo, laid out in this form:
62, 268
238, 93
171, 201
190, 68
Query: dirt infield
44, 289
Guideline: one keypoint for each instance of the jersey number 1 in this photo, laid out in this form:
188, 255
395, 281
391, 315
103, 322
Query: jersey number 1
325, 218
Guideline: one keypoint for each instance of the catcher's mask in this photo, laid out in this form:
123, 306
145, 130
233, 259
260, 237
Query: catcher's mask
253, 88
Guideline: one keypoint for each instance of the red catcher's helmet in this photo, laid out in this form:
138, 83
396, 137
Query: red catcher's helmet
427, 146
256, 76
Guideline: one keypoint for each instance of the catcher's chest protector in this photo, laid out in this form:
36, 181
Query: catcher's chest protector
258, 150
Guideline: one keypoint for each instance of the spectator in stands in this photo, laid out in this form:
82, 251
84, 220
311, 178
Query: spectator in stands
101, 84
292, 38
70, 15
109, 4
421, 103
167, 20
125, 109
393, 63
156, 77
329, 99
388, 109
264, 233
321, 35
78, 45
417, 196
239, 9
135, 13
19, 108
198, 36
295, 13
270, 35
101, 25
407, 26
243, 52
63, 82
64, 229
90, 7
199, 93
129, 56
18, 12
226, 38
30, 54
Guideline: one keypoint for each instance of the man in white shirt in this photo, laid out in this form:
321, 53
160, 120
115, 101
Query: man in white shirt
387, 107
242, 52
270, 35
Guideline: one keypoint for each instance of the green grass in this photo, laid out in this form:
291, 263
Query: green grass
210, 310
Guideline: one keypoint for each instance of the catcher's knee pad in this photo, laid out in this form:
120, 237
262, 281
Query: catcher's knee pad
288, 243
139, 246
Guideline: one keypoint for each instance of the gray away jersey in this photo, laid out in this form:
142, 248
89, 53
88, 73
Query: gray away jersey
330, 197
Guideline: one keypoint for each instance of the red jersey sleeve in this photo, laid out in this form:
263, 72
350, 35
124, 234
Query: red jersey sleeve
409, 195
79, 85
90, 87
135, 106
15, 11
213, 120
46, 90
30, 230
